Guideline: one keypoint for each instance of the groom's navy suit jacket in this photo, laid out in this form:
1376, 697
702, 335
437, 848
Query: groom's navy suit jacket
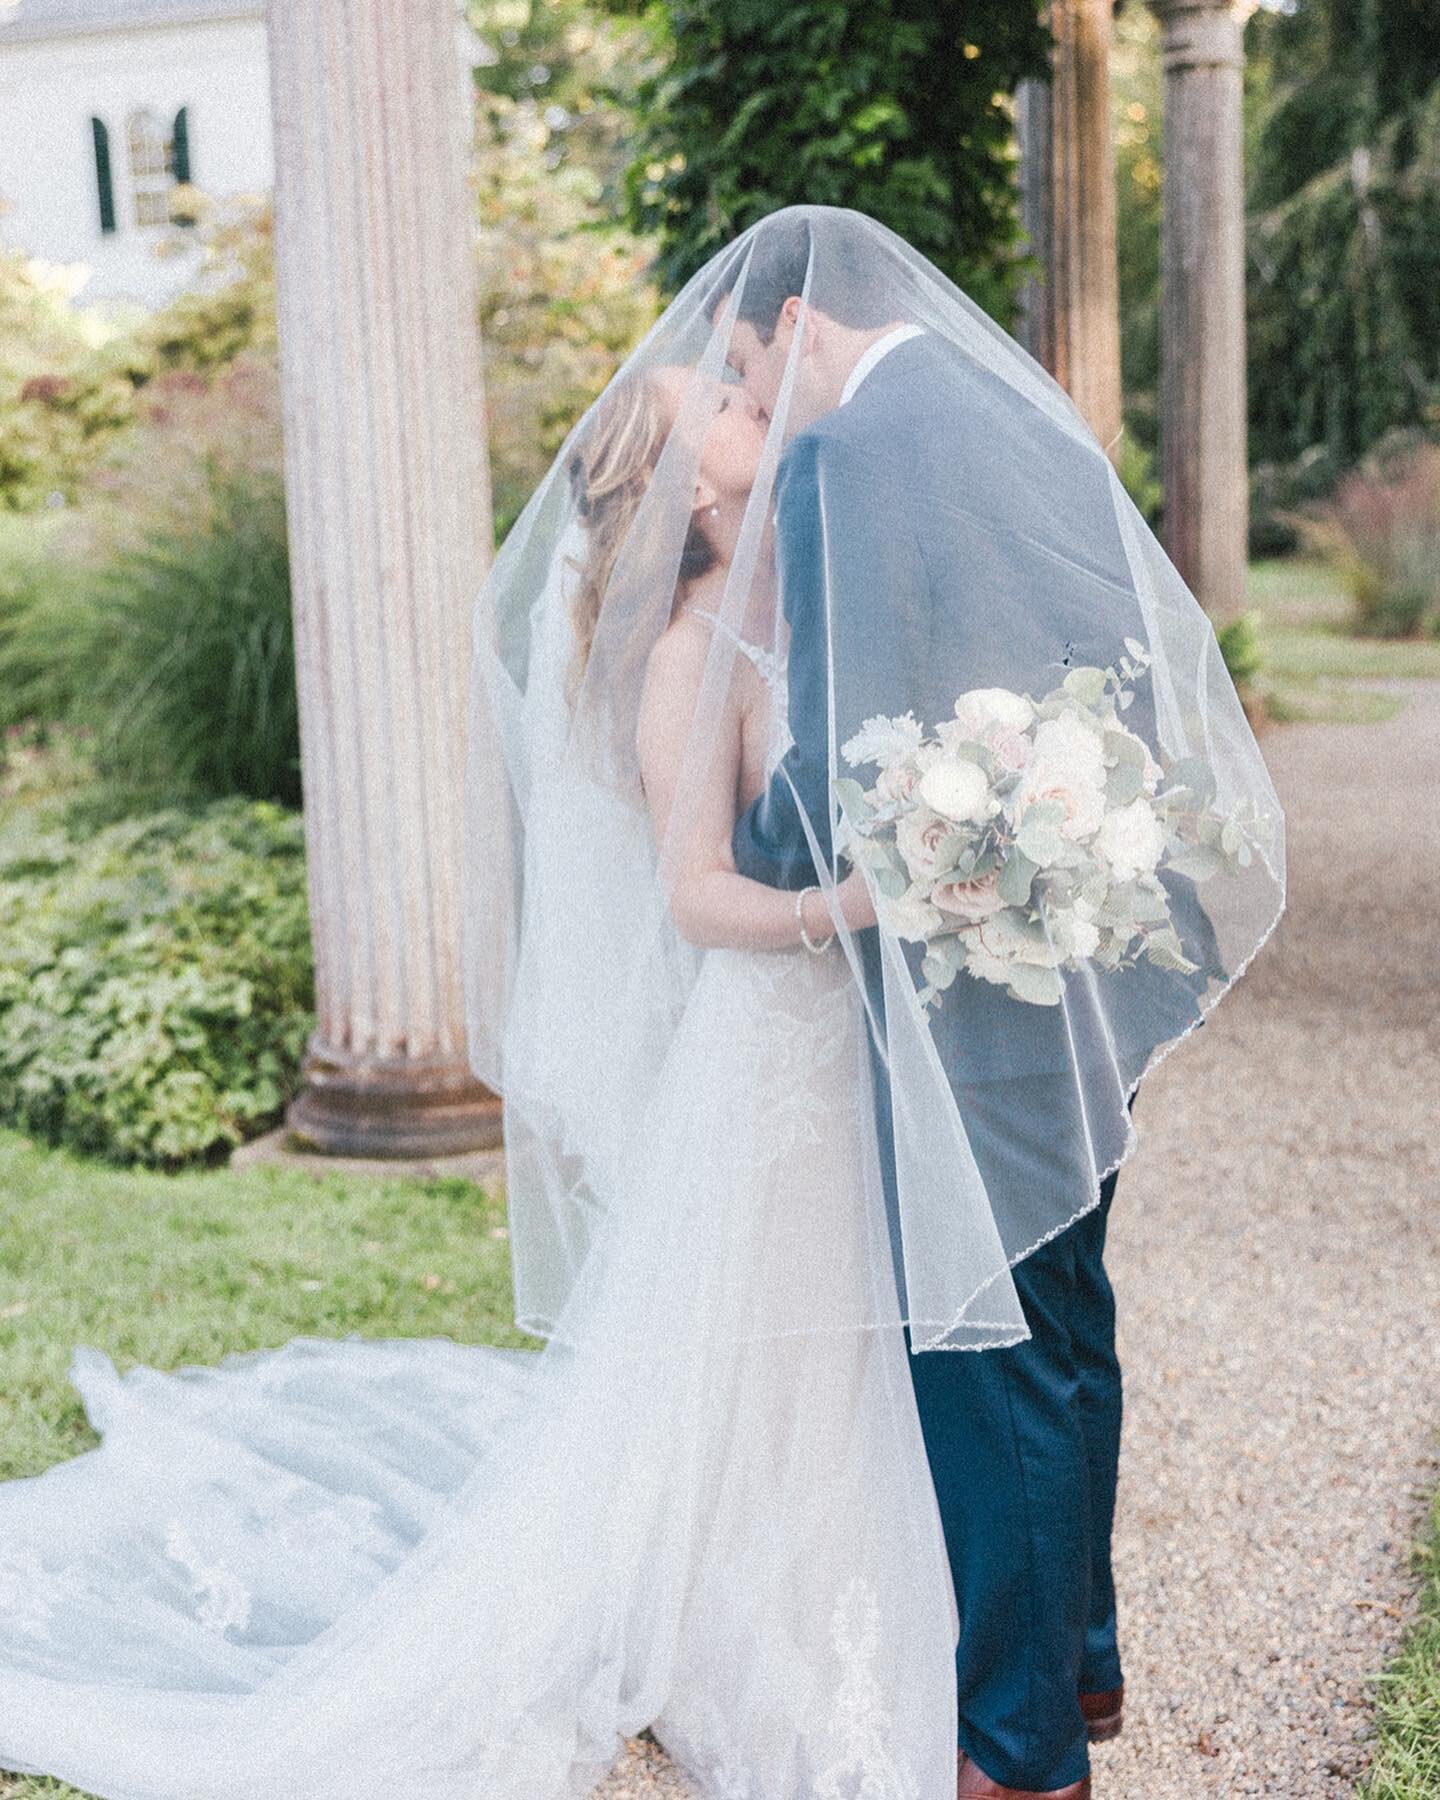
896, 514
906, 534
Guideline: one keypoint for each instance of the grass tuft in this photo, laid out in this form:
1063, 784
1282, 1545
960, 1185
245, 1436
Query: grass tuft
1407, 1714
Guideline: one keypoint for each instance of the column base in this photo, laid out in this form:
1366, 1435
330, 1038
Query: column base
391, 1106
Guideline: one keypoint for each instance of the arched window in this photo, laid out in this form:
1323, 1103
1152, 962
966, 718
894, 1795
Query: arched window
152, 167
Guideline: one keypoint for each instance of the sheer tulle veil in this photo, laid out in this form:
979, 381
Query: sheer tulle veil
989, 545
345, 1569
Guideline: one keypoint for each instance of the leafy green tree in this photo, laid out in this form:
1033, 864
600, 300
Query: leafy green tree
899, 108
1344, 228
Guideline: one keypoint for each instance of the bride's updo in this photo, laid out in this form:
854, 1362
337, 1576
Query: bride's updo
610, 473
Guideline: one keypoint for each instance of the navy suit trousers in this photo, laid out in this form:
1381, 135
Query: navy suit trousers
1024, 1447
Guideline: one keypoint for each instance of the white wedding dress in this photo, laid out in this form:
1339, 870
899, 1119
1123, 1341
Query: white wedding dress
342, 1570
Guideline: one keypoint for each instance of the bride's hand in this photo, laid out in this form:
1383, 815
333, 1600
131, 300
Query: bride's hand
856, 907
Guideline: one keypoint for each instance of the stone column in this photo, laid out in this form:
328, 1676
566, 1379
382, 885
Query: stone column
1202, 384
389, 512
1070, 314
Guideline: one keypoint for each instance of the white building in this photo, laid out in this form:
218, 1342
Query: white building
106, 108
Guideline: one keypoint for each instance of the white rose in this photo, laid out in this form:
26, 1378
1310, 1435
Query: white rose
1076, 933
1082, 797
1132, 840
957, 789
983, 963
909, 917
1068, 743
982, 707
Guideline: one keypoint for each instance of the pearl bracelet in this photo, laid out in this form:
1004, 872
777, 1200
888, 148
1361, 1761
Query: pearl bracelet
805, 938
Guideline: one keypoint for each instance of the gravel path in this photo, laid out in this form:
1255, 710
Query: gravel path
1276, 1248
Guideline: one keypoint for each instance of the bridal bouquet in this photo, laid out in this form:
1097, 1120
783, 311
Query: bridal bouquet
1024, 837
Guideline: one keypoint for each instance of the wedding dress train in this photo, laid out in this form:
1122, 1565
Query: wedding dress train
345, 1569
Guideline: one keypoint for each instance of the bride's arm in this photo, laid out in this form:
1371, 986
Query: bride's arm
712, 905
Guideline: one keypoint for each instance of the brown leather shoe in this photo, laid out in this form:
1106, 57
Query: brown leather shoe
975, 1784
1104, 1713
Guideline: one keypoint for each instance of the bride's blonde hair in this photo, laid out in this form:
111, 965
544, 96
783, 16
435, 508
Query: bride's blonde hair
610, 473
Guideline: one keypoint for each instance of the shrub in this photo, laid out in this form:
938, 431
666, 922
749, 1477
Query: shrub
1381, 529
155, 979
1239, 641
160, 617
194, 675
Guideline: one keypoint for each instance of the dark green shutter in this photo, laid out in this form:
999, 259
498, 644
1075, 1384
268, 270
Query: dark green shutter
105, 187
182, 145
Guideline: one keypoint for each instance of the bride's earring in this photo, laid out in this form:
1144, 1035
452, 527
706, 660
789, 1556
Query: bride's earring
714, 512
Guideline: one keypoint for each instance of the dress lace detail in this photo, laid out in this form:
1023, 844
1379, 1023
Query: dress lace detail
771, 667
866, 1770
221, 1598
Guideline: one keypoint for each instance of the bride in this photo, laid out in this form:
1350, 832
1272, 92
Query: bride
760, 1146
363, 1568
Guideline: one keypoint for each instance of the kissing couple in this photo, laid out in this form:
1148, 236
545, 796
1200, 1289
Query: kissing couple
857, 806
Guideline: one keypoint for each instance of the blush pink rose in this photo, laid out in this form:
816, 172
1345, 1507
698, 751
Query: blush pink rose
971, 901
898, 783
1011, 747
918, 837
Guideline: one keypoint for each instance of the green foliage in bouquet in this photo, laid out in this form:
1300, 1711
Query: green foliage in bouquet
899, 108
155, 979
1026, 837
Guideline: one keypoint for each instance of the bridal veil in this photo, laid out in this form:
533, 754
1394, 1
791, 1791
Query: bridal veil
989, 546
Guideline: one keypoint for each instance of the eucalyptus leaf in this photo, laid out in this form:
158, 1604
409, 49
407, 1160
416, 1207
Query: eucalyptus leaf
1195, 773
939, 972
1198, 861
973, 751
1124, 783
1086, 683
1035, 985
1013, 886
1136, 648
891, 883
1126, 746
851, 796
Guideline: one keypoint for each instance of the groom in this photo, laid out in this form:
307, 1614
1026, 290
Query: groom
1023, 1442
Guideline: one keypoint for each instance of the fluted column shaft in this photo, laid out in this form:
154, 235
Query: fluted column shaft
389, 516
1070, 313
1202, 385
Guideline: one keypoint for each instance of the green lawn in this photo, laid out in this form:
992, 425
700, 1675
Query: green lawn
170, 1269
1407, 1753
1314, 667
173, 1269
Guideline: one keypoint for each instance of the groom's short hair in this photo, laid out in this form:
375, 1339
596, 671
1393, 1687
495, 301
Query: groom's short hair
775, 266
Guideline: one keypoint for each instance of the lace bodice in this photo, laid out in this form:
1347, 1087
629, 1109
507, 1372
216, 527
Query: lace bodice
770, 666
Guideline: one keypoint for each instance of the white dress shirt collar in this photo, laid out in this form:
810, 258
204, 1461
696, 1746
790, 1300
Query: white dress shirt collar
881, 347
